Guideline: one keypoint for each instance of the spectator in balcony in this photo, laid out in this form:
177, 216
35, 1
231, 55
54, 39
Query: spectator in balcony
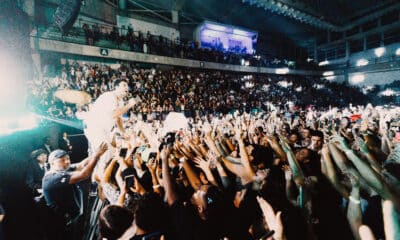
96, 32
89, 36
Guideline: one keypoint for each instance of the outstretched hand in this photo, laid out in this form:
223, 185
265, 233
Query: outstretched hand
102, 148
273, 220
201, 163
342, 144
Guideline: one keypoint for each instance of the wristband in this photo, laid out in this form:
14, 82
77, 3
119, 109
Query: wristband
348, 151
353, 200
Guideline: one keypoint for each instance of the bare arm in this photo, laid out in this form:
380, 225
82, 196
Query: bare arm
370, 176
119, 111
298, 174
170, 193
354, 215
391, 220
78, 176
331, 172
108, 171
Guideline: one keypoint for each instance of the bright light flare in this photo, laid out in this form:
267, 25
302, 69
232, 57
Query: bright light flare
362, 62
323, 63
358, 78
328, 73
282, 70
174, 122
388, 92
380, 51
398, 52
9, 125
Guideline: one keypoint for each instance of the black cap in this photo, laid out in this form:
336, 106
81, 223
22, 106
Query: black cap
37, 153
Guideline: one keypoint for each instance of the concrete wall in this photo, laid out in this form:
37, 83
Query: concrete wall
378, 77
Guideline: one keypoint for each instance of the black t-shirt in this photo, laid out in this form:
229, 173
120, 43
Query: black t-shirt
64, 198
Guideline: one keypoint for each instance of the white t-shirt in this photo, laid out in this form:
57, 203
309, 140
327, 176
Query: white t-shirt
101, 112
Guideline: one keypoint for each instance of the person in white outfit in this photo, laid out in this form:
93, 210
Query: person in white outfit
104, 114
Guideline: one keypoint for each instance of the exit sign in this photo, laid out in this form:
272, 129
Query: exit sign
104, 52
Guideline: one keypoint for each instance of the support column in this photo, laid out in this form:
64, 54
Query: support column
315, 52
122, 4
364, 43
175, 16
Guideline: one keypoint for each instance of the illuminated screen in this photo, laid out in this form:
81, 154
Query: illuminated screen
227, 38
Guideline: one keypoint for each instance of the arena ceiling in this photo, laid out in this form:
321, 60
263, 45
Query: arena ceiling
300, 20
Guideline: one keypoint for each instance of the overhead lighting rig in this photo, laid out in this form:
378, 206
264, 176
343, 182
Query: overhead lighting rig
280, 8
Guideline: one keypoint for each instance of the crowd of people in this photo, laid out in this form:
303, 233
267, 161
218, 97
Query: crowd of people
195, 92
219, 155
315, 175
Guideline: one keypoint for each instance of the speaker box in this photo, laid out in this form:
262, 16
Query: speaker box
66, 14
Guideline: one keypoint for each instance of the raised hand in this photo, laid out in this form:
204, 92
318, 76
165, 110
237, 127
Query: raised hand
207, 128
165, 153
362, 145
273, 220
288, 172
238, 131
342, 142
201, 163
102, 148
152, 165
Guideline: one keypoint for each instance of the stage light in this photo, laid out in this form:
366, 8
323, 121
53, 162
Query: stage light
358, 78
282, 70
362, 62
11, 124
174, 122
379, 51
323, 63
330, 78
328, 73
398, 52
388, 92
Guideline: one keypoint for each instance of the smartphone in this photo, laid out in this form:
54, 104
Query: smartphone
122, 152
130, 181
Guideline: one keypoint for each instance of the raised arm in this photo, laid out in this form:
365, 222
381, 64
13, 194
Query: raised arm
84, 173
169, 185
370, 176
298, 175
354, 215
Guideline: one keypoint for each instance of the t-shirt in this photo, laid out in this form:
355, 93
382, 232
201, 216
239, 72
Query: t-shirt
100, 114
64, 198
